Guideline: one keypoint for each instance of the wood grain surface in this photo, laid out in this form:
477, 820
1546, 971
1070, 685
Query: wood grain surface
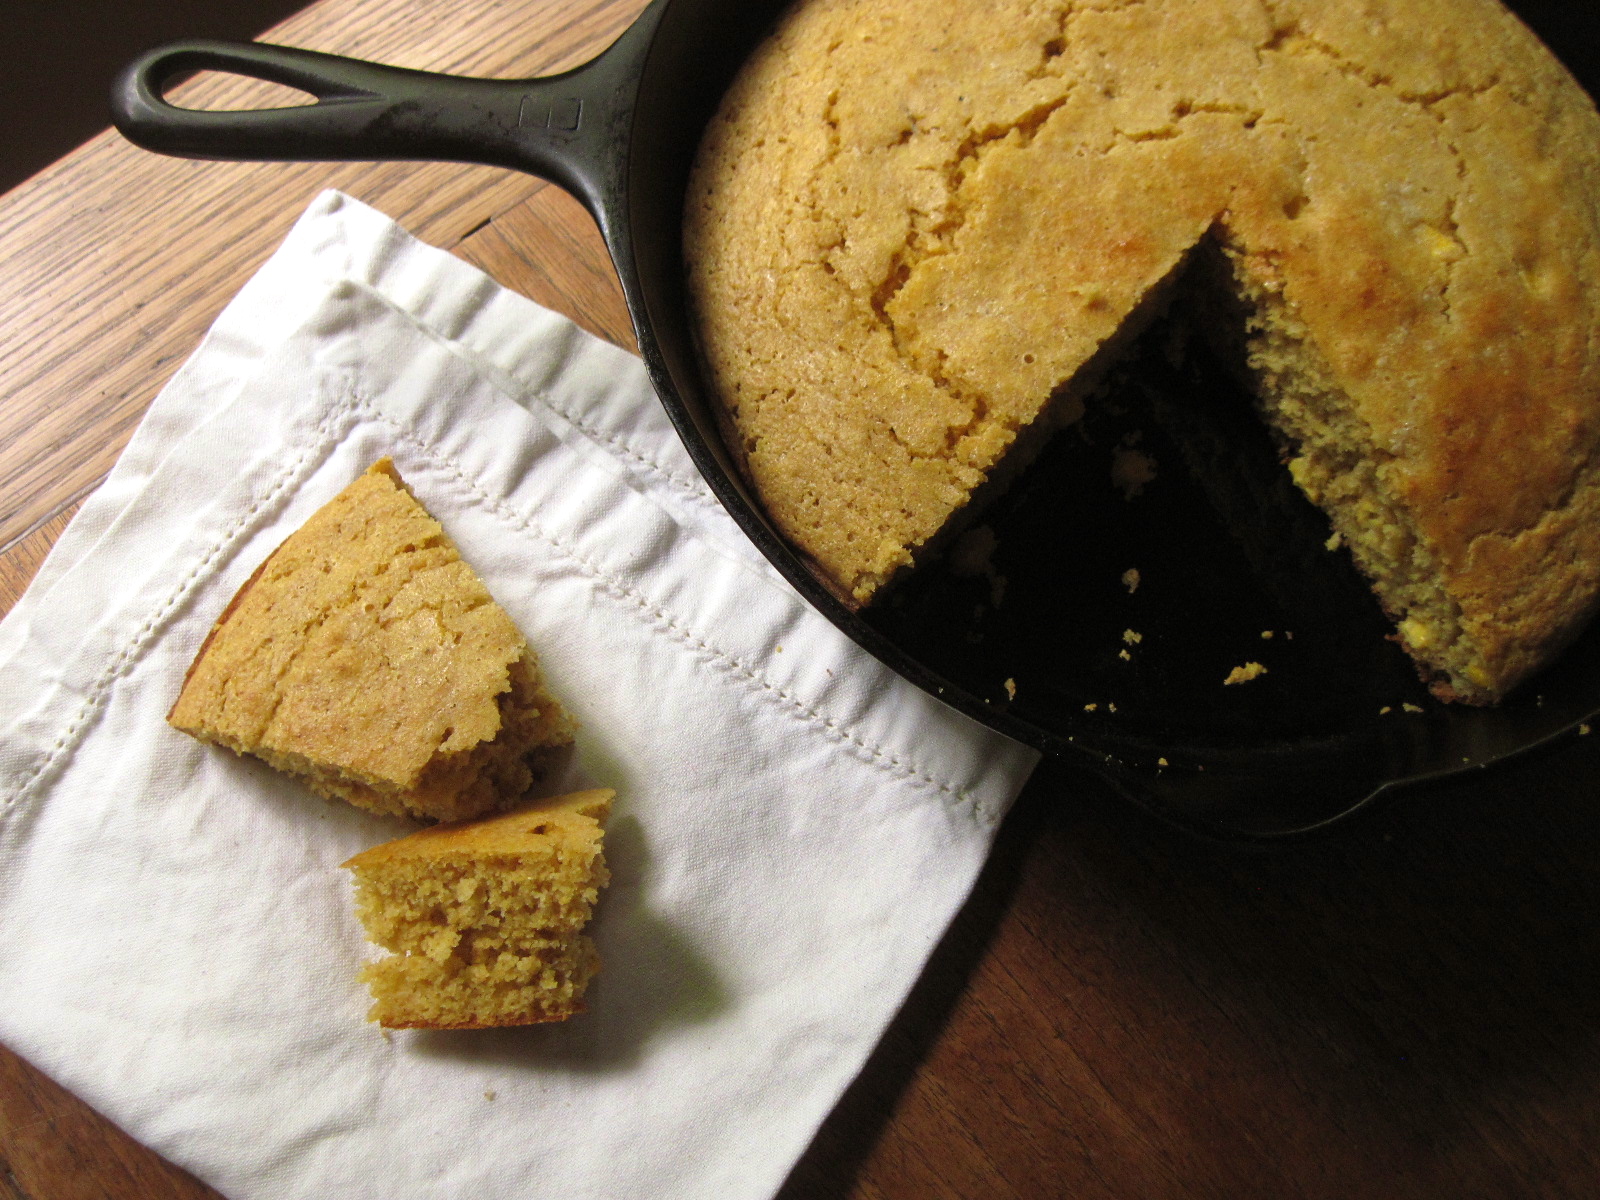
1407, 1010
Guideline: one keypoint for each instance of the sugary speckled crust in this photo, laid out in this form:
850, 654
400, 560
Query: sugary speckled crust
367, 657
913, 231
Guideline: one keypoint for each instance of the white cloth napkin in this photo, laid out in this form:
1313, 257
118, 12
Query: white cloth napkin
794, 829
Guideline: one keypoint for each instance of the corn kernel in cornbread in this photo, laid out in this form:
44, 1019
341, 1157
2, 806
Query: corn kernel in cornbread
484, 919
367, 658
916, 233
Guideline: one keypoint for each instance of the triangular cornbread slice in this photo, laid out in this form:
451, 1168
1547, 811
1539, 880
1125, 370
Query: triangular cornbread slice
366, 657
485, 918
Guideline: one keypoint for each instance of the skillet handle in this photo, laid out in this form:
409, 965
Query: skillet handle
364, 111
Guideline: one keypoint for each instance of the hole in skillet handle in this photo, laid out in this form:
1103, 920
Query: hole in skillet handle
230, 91
236, 94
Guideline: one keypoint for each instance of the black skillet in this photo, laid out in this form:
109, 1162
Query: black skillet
1048, 637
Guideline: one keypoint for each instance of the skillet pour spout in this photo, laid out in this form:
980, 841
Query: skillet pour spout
1302, 749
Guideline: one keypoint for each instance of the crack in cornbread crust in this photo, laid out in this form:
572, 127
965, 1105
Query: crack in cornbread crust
365, 656
897, 263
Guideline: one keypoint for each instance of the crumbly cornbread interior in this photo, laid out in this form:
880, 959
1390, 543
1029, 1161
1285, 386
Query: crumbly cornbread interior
484, 919
368, 658
916, 233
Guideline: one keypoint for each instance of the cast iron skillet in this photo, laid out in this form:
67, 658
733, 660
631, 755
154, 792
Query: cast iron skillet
1101, 624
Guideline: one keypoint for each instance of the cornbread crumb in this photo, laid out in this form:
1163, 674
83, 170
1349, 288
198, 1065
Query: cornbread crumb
485, 919
1244, 674
1411, 708
1132, 636
1011, 689
1131, 471
367, 658
1124, 656
1130, 580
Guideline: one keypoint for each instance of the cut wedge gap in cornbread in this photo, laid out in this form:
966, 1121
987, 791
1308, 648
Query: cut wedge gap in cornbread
484, 920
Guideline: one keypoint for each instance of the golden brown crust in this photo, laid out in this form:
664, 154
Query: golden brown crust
367, 657
897, 259
504, 1023
507, 833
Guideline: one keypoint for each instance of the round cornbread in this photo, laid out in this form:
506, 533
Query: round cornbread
916, 234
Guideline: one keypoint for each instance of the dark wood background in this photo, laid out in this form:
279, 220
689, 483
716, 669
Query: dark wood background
57, 61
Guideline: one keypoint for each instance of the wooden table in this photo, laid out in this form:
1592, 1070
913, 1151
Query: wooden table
1408, 1010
